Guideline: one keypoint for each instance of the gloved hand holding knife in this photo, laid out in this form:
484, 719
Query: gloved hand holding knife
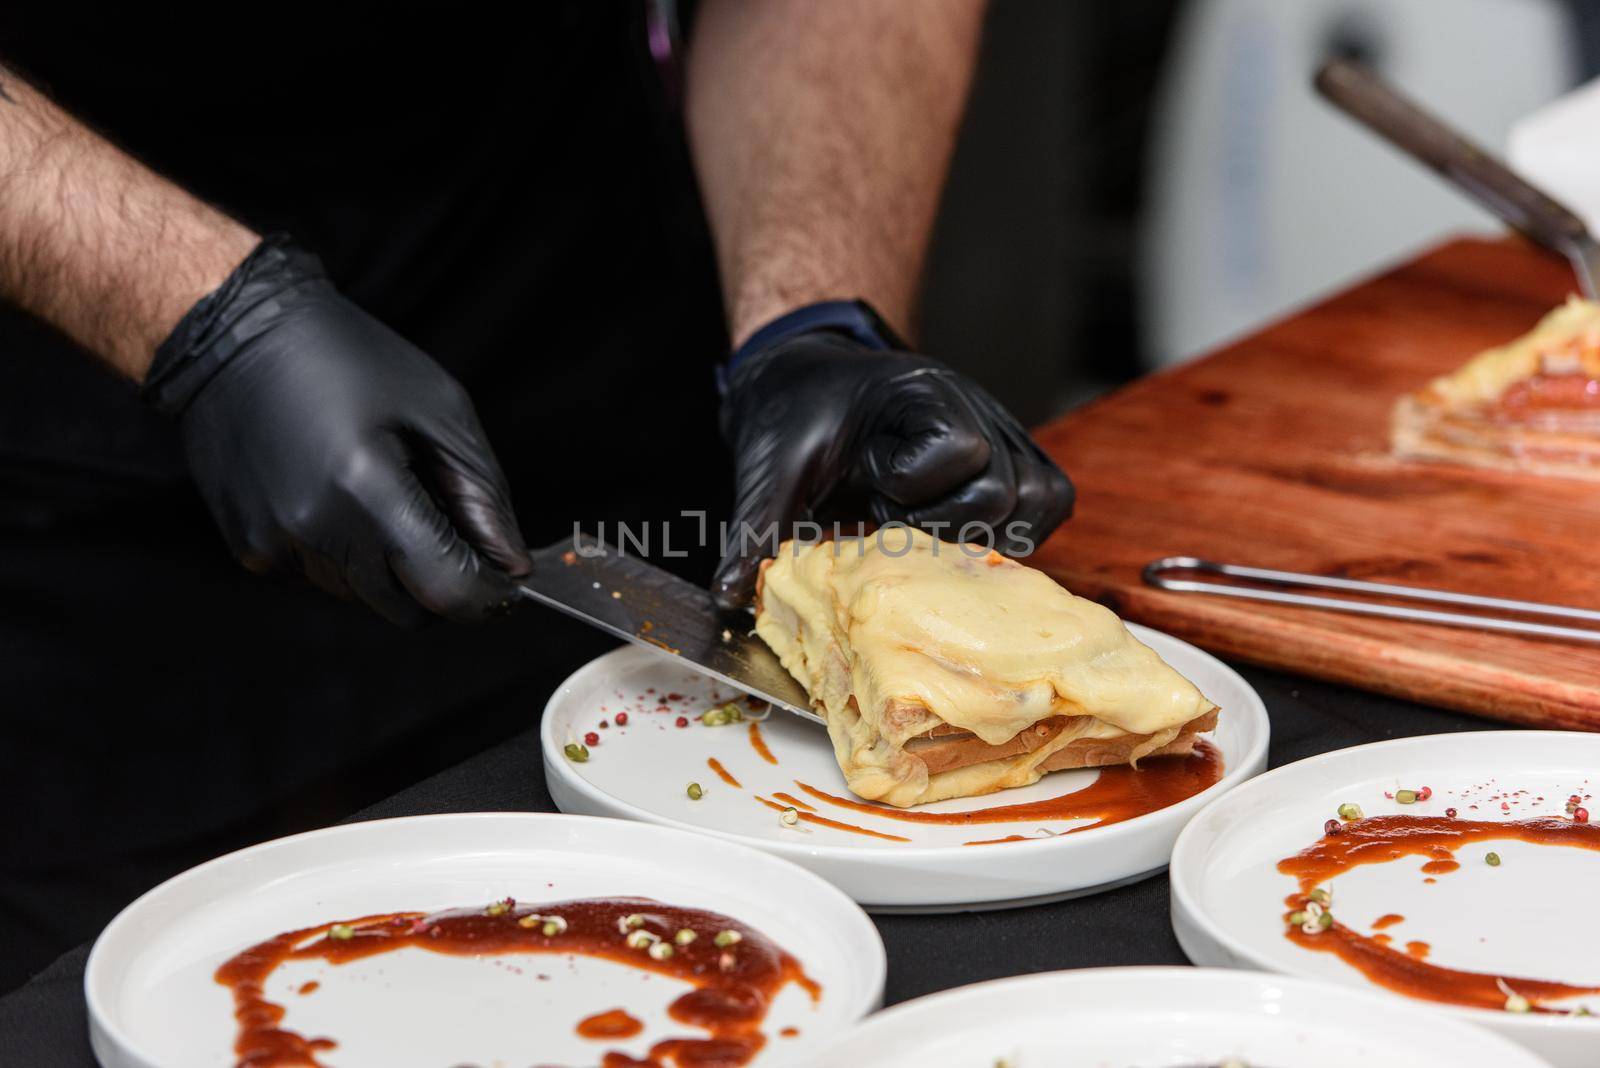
327, 446
324, 444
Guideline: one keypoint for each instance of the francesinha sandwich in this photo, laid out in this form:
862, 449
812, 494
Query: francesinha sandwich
948, 674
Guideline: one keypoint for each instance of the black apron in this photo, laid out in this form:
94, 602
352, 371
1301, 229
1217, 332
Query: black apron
517, 203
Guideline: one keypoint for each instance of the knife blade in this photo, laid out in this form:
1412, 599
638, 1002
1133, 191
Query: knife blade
632, 599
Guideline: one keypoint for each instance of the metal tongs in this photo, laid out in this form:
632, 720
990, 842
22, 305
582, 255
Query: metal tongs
1157, 573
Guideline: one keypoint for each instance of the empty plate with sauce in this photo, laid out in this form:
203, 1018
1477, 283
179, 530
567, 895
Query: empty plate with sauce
1454, 870
633, 735
483, 939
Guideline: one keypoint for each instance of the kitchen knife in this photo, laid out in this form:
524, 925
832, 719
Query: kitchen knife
1364, 96
625, 596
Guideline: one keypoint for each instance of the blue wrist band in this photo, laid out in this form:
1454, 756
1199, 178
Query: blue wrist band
853, 318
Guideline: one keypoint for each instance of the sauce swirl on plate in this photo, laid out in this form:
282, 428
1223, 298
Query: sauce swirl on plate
735, 971
613, 1023
759, 744
1380, 839
1119, 793
722, 773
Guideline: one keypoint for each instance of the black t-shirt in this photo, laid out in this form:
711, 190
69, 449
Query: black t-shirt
514, 198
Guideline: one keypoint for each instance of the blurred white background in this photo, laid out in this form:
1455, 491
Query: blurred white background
1140, 181
1263, 197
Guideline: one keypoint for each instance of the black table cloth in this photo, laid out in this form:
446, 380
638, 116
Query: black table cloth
44, 1024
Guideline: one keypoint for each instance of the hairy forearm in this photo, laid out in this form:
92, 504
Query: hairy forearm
95, 243
821, 132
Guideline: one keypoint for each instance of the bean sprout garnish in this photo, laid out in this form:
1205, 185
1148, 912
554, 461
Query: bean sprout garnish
1515, 1002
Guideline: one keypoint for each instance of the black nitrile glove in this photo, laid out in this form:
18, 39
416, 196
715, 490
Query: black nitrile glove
824, 412
327, 446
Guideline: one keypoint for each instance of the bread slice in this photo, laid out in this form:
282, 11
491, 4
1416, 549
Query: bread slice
948, 752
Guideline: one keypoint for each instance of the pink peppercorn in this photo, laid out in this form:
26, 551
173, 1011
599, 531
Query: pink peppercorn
1581, 816
1332, 827
622, 719
1450, 812
682, 721
591, 738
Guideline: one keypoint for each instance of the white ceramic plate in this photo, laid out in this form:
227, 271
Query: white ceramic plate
1530, 916
642, 772
154, 1004
1166, 1018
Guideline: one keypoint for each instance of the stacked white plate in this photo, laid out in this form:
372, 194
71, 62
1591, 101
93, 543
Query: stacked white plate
1166, 1018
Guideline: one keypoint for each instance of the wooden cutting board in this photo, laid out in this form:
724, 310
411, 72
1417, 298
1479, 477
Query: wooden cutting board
1274, 453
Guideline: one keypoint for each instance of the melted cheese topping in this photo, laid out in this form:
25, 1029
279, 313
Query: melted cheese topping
897, 633
1566, 341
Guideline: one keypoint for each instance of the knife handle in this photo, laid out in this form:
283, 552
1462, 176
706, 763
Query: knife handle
1361, 94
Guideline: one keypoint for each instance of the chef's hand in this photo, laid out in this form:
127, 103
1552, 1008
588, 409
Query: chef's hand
327, 446
824, 411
